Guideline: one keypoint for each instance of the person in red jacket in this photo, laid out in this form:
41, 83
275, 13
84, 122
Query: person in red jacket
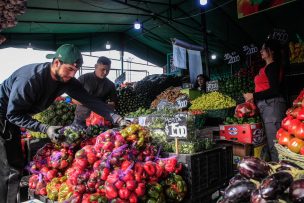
268, 95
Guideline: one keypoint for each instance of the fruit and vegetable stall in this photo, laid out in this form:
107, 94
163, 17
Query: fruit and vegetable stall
205, 149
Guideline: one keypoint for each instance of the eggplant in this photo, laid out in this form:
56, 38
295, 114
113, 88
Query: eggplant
256, 197
290, 164
275, 184
236, 178
284, 168
252, 167
296, 191
239, 192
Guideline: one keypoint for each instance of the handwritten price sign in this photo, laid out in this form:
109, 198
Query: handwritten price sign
212, 86
232, 57
280, 35
176, 126
251, 49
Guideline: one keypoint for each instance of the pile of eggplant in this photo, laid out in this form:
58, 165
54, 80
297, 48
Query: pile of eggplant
262, 182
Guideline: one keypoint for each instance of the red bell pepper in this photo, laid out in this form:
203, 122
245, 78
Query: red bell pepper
124, 193
111, 191
140, 190
131, 185
149, 167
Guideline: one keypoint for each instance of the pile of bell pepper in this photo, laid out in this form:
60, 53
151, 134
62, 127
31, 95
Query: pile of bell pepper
135, 134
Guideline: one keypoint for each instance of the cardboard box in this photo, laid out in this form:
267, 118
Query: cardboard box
244, 133
239, 150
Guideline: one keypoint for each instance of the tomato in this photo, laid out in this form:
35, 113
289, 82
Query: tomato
301, 114
281, 132
284, 139
302, 151
286, 122
299, 131
293, 125
295, 145
294, 113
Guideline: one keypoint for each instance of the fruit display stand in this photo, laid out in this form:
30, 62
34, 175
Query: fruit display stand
286, 154
205, 172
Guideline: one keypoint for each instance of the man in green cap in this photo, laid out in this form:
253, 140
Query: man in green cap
30, 90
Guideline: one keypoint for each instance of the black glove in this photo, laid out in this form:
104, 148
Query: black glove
52, 133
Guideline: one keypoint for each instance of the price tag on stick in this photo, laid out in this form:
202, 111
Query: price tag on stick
176, 126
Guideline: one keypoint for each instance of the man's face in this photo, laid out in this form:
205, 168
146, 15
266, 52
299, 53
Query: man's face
101, 71
65, 72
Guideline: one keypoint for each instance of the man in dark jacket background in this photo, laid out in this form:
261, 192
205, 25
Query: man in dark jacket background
97, 84
30, 90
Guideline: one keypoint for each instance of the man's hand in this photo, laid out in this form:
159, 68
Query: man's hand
123, 123
248, 97
52, 133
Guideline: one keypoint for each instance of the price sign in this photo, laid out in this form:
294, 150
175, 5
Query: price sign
176, 126
142, 120
165, 104
120, 79
181, 102
232, 57
212, 86
280, 35
250, 49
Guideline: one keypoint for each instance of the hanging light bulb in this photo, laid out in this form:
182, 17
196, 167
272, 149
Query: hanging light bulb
137, 25
203, 2
213, 56
108, 45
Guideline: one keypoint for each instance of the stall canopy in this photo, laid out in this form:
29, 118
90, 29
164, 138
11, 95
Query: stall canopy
91, 23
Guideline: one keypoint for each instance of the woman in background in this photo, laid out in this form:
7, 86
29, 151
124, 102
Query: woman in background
200, 83
268, 95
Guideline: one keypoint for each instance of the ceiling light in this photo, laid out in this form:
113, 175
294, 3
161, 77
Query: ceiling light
108, 45
137, 25
203, 2
213, 56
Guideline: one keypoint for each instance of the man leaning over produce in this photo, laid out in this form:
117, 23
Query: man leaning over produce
30, 90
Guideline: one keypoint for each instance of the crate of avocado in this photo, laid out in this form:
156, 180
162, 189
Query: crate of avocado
205, 172
244, 130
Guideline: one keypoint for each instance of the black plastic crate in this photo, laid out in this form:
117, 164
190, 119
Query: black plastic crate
207, 171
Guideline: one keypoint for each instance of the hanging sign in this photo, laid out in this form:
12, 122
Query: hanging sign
212, 86
246, 7
176, 126
250, 49
280, 35
232, 57
120, 79
182, 102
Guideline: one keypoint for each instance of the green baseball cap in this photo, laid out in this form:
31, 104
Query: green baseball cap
68, 54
